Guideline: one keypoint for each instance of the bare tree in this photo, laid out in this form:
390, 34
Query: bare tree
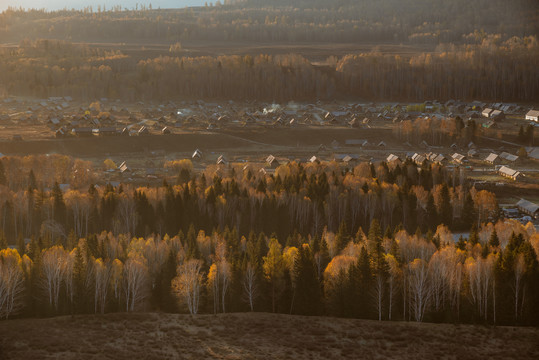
250, 286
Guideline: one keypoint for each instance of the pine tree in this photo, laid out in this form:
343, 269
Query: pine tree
375, 237
3, 241
3, 180
469, 215
494, 241
79, 283
432, 214
342, 237
445, 210
307, 298
32, 183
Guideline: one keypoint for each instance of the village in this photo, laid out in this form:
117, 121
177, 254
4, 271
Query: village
139, 139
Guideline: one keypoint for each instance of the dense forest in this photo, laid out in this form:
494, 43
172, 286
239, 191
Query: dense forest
302, 198
348, 21
491, 70
373, 241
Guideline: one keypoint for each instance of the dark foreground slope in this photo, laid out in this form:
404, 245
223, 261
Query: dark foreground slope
256, 336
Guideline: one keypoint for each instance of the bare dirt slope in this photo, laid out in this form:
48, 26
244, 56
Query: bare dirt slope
256, 336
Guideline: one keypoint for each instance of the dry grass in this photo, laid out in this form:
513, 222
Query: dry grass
256, 336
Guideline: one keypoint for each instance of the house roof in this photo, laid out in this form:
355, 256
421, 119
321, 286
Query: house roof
508, 171
528, 205
197, 153
439, 158
491, 157
361, 142
271, 159
486, 112
534, 113
458, 157
534, 153
392, 157
418, 158
509, 157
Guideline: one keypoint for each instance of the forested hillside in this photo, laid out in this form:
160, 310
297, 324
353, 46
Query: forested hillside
420, 21
490, 70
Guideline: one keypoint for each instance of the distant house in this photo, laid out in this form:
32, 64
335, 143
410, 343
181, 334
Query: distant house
123, 167
197, 155
314, 159
424, 144
335, 144
382, 144
272, 161
492, 159
392, 158
347, 159
497, 115
105, 131
322, 147
486, 112
143, 131
354, 123
533, 115
60, 133
418, 159
489, 124
472, 153
508, 157
440, 159
458, 158
356, 142
165, 131
221, 160
529, 208
533, 153
509, 173
82, 131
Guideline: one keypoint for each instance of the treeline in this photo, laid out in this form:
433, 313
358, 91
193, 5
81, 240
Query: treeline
396, 21
302, 198
492, 71
492, 277
436, 131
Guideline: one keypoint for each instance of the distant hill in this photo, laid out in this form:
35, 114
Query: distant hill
256, 336
396, 21
81, 4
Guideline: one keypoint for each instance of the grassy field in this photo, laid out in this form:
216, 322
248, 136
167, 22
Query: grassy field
256, 336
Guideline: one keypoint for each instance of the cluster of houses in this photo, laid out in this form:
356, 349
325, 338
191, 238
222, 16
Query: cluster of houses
108, 118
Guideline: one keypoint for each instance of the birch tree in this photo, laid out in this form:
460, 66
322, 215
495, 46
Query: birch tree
11, 282
135, 281
188, 282
250, 285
